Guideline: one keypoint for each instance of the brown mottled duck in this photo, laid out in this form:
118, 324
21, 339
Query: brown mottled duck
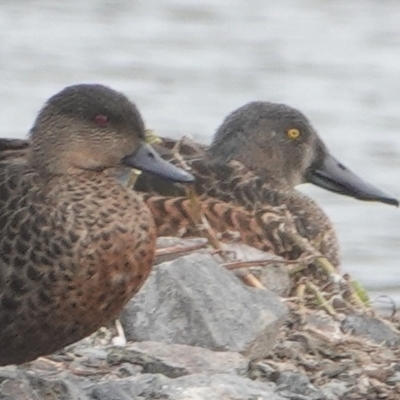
258, 156
75, 244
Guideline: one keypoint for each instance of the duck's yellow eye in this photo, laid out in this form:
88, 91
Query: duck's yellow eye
293, 133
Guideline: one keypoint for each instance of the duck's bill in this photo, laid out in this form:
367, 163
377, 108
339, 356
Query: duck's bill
334, 176
148, 160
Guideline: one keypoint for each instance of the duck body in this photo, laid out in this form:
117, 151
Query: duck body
71, 253
258, 156
241, 187
75, 244
247, 193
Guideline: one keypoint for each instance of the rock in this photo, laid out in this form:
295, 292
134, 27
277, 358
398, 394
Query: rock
61, 388
190, 387
395, 378
216, 387
27, 385
335, 390
193, 300
299, 384
176, 360
139, 387
274, 275
295, 383
371, 328
184, 244
262, 371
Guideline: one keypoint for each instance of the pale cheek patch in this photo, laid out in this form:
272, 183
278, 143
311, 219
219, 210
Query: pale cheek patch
307, 157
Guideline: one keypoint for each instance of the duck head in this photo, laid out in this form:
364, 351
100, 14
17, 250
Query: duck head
281, 146
93, 128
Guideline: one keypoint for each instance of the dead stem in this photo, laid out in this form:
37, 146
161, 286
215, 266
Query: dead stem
176, 154
246, 264
179, 249
200, 220
300, 295
250, 280
320, 298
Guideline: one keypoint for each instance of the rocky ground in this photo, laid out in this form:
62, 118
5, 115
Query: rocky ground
213, 326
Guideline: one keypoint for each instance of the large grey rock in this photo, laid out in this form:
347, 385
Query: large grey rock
193, 300
174, 360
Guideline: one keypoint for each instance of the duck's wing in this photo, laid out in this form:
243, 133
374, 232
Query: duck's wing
234, 198
10, 175
268, 229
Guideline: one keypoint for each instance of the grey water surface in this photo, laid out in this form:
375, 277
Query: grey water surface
187, 64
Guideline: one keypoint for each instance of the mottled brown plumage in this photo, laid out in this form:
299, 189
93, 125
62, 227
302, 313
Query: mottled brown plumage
258, 155
75, 244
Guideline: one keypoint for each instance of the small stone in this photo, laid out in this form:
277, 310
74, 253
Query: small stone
379, 373
176, 360
335, 390
261, 371
193, 300
126, 369
394, 379
298, 383
371, 328
123, 389
60, 388
16, 390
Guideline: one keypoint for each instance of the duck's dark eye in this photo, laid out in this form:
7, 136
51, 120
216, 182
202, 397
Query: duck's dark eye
101, 119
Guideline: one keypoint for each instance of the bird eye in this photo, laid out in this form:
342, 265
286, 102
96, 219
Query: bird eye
293, 133
101, 119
